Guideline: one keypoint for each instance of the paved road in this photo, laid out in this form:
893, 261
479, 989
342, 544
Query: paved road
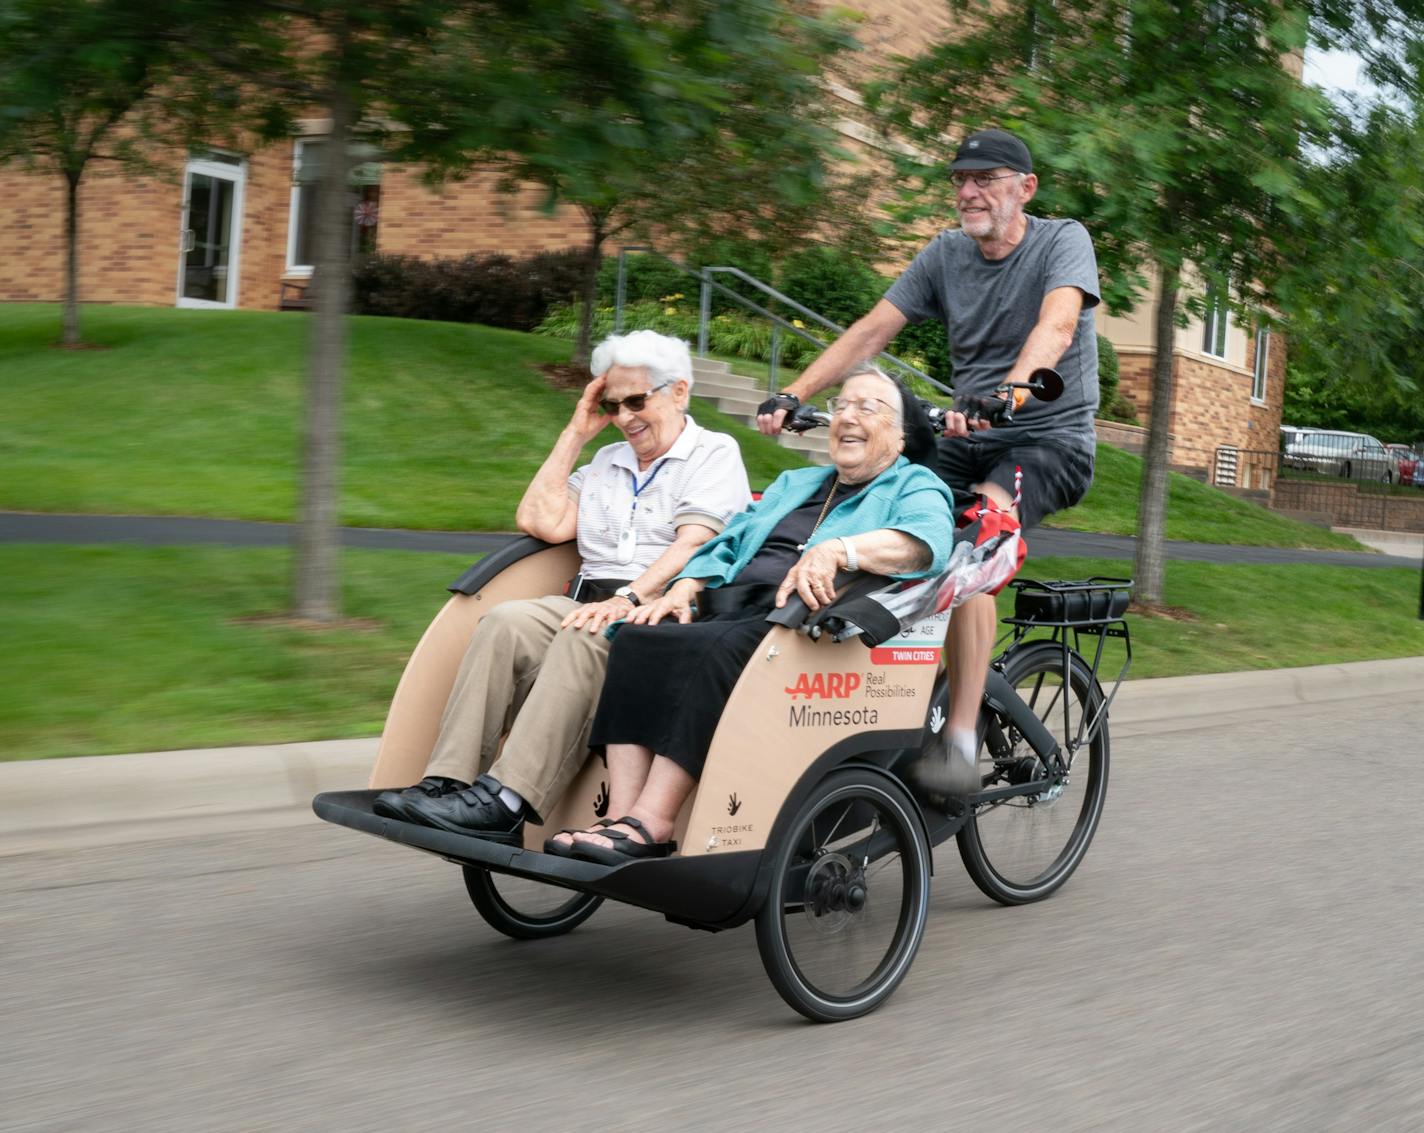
1240, 951
16, 527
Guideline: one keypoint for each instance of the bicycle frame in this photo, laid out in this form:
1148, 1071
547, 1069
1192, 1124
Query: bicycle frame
1095, 607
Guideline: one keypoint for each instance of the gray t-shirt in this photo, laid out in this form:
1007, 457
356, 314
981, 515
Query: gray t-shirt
988, 308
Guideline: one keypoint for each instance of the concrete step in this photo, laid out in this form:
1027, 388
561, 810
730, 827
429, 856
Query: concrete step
733, 384
738, 396
702, 366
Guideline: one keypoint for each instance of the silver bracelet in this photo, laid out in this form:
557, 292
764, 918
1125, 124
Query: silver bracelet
852, 559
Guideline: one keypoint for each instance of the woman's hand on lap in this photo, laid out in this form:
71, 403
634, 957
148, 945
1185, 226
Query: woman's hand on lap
596, 616
813, 577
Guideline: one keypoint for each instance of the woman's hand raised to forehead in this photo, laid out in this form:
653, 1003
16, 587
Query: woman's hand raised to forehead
587, 421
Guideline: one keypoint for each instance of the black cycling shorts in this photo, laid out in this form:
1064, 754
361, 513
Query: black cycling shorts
1055, 475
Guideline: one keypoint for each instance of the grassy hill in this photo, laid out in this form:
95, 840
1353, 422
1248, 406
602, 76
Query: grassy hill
188, 412
184, 412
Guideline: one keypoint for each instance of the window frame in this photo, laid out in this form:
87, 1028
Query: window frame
1216, 325
1259, 374
293, 268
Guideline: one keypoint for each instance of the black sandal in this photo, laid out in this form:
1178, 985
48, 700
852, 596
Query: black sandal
624, 849
566, 849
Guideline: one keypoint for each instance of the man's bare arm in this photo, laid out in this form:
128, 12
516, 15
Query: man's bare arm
865, 338
1052, 334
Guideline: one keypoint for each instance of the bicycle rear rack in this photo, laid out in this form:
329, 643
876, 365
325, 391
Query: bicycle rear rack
1095, 606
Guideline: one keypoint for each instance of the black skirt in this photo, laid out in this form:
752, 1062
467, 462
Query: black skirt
667, 684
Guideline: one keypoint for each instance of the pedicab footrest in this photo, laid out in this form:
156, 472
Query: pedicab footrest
708, 891
353, 809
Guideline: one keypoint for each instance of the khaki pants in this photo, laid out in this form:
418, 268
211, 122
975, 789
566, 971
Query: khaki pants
524, 675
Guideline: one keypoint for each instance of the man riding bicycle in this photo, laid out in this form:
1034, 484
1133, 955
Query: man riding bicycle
1015, 293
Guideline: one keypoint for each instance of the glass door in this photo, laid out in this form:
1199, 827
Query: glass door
212, 232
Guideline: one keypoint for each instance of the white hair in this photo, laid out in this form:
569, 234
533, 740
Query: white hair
871, 370
665, 358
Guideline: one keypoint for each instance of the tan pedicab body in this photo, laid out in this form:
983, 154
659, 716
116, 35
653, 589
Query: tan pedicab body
800, 820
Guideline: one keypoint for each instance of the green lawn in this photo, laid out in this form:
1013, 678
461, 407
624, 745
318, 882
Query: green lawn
122, 648
198, 412
1195, 512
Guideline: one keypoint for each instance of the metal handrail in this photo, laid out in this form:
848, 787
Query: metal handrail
778, 324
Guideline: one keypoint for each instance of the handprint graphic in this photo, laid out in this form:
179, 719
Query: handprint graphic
936, 720
600, 804
733, 803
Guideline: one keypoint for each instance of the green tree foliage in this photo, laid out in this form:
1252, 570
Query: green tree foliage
78, 86
678, 122
1172, 128
1353, 296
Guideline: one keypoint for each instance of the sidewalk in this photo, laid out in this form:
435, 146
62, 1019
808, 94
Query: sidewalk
1405, 544
98, 800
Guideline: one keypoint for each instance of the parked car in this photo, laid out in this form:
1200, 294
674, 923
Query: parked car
1355, 456
1407, 460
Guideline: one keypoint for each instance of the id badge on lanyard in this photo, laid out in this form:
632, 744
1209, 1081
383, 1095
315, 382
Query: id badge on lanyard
628, 538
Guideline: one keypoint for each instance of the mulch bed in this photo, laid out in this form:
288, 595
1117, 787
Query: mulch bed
564, 375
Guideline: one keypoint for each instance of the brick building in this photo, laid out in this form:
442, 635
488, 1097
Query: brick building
229, 229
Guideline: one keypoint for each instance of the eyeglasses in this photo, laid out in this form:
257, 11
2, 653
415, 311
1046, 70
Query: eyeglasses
982, 180
863, 406
634, 401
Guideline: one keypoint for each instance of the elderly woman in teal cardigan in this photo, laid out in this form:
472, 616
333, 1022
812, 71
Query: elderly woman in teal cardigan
669, 676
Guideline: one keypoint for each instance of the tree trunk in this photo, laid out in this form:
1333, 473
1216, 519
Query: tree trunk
71, 261
1152, 507
317, 580
583, 345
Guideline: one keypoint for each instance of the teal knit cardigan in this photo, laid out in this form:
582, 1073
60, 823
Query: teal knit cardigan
907, 497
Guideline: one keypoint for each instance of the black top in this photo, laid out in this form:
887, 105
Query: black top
783, 546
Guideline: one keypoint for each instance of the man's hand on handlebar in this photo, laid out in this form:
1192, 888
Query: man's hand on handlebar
773, 411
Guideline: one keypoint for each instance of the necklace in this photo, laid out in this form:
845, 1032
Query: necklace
825, 507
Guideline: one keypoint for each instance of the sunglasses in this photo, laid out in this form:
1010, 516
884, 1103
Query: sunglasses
634, 401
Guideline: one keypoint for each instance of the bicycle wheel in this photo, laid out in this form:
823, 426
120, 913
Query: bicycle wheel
524, 909
1023, 848
849, 895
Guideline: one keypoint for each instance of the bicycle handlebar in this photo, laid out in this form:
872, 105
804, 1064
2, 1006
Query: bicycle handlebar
1044, 384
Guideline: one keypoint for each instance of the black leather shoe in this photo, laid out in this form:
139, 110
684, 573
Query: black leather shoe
392, 804
476, 810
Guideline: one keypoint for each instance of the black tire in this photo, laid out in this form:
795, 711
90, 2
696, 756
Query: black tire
524, 909
1022, 849
838, 932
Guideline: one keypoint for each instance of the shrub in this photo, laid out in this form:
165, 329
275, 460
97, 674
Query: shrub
831, 282
727, 333
495, 290
1111, 404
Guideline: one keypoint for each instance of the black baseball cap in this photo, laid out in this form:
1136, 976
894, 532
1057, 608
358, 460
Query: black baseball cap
990, 149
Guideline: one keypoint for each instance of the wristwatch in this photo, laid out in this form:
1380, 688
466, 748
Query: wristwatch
627, 592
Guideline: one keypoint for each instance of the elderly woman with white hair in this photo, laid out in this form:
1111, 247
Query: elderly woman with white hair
669, 676
534, 668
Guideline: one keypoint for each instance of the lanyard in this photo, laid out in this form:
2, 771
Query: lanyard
638, 489
628, 539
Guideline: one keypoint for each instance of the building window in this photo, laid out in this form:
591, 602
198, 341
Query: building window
1258, 376
1214, 324
365, 199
